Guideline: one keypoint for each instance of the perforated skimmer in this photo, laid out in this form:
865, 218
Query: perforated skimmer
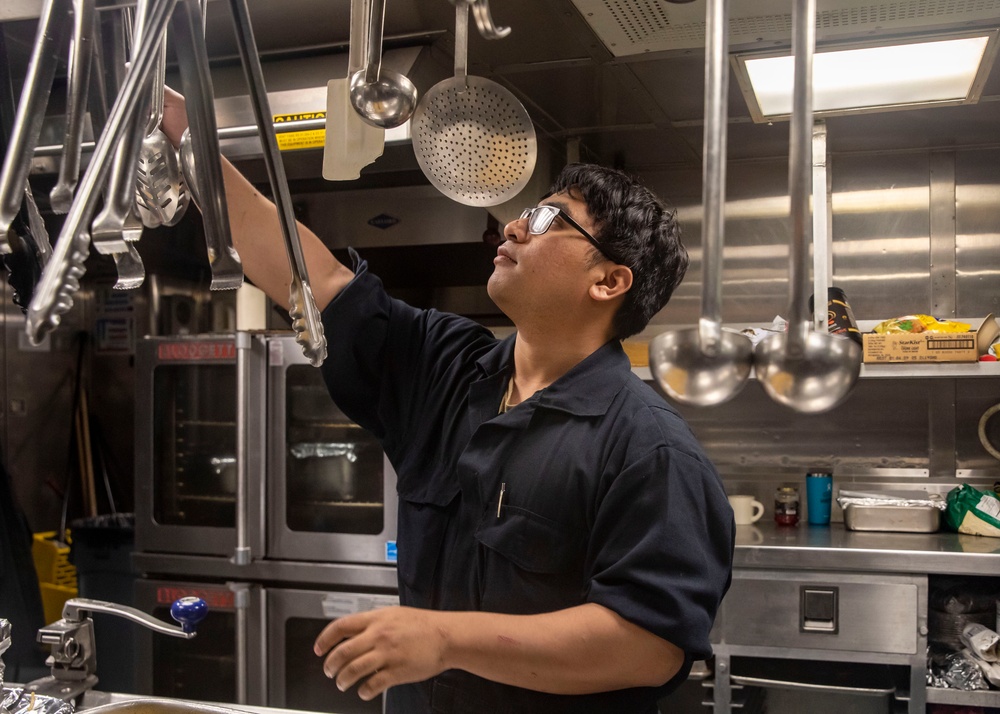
473, 139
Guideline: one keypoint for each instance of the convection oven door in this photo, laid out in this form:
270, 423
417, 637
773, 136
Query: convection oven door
186, 438
332, 492
294, 620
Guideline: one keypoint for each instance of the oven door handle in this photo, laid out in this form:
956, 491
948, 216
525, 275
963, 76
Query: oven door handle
242, 609
242, 554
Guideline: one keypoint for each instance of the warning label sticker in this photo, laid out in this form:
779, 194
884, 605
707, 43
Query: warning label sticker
307, 139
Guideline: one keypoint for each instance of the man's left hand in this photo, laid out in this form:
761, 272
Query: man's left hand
385, 647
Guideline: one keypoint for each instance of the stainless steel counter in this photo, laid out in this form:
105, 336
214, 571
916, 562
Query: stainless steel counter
833, 547
763, 545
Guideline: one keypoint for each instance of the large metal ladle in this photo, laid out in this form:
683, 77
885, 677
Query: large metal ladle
708, 364
381, 97
806, 370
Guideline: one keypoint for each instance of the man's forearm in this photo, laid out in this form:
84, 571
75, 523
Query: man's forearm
580, 650
256, 231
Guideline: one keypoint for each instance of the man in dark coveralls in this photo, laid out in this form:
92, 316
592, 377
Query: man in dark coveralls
564, 543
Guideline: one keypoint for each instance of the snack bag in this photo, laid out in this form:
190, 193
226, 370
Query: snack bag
919, 323
973, 512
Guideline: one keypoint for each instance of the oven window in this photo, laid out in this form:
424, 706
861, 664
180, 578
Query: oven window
306, 687
194, 452
333, 467
203, 667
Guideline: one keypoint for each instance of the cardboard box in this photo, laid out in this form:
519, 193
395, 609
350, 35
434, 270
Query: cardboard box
637, 351
931, 346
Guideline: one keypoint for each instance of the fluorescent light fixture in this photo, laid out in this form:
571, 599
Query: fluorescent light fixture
855, 79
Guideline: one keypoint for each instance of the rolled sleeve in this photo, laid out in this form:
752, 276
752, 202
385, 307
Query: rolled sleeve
663, 559
353, 368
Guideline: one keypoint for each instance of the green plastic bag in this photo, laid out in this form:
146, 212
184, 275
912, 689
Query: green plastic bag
972, 511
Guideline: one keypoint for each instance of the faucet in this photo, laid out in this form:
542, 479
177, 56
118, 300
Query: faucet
73, 658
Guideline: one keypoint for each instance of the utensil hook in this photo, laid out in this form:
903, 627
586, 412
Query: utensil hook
484, 21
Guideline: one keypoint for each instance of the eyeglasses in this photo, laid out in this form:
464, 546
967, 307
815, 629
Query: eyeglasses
540, 219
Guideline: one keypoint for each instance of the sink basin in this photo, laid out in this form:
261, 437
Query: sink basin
113, 703
160, 706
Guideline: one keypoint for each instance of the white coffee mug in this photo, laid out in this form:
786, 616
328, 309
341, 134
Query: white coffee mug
746, 509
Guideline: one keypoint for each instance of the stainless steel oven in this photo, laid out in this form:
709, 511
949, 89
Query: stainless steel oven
186, 443
331, 490
294, 620
224, 662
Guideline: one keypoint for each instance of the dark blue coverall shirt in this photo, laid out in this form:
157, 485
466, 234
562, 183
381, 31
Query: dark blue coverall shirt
608, 498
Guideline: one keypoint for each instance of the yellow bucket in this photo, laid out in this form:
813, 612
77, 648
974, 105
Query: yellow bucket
56, 575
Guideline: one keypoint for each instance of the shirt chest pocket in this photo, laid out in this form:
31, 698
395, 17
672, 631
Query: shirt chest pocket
424, 516
528, 563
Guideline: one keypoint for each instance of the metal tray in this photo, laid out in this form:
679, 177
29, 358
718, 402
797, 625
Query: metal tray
899, 519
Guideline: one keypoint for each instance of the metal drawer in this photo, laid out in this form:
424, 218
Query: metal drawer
826, 611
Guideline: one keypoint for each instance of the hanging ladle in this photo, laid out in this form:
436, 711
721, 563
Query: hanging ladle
708, 364
379, 95
806, 370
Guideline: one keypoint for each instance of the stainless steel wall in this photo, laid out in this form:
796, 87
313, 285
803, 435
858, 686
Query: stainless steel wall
37, 389
914, 232
37, 412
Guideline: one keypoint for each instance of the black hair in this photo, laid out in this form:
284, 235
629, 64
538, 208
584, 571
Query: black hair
639, 230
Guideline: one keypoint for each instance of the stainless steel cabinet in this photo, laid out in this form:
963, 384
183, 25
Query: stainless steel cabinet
772, 621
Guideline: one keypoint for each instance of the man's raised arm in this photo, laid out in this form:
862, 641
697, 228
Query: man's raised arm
256, 230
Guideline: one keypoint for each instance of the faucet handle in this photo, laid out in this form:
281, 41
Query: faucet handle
189, 611
4, 646
4, 635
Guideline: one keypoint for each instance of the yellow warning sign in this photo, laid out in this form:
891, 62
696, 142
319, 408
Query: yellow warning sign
307, 139
312, 139
282, 118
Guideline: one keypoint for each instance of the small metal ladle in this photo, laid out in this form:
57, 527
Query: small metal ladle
708, 364
380, 96
803, 369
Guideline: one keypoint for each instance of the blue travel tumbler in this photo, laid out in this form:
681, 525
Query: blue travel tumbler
819, 493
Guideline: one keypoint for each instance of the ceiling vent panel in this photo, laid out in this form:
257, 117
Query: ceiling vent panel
635, 27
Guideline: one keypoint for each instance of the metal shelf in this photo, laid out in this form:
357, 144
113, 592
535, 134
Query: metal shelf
979, 698
902, 371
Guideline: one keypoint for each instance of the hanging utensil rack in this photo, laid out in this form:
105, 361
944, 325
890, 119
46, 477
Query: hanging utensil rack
60, 279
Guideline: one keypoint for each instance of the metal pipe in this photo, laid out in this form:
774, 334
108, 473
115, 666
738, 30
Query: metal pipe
233, 132
800, 169
241, 603
714, 183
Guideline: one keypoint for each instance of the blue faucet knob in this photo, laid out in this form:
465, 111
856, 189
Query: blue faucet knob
189, 611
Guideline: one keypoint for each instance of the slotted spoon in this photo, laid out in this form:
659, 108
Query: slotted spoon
473, 139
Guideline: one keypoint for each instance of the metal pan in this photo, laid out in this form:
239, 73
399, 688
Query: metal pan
473, 139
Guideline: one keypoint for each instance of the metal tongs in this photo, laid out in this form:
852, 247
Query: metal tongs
60, 279
51, 34
306, 320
